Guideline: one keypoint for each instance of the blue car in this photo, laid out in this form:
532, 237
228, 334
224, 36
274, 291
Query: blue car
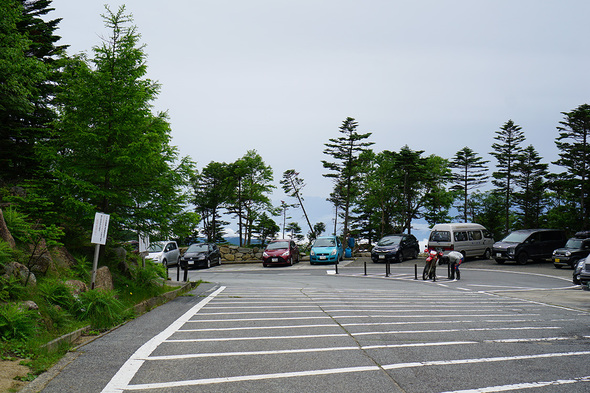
326, 249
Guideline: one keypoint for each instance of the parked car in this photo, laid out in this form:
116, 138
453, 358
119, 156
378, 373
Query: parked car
577, 247
280, 252
165, 252
326, 249
525, 244
201, 255
471, 240
580, 266
395, 248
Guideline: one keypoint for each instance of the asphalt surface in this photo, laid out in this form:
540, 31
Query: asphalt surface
309, 328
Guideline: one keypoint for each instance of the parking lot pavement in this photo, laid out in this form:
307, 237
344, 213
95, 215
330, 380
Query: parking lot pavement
569, 296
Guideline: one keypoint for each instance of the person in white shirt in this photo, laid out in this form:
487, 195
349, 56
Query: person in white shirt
455, 259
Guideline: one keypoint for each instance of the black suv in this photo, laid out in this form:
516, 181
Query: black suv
525, 244
395, 248
576, 248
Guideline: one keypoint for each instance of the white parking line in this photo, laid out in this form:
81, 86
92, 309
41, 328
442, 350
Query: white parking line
308, 336
119, 382
397, 366
519, 386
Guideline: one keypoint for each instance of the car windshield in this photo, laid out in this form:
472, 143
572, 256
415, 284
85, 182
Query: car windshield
389, 241
155, 247
516, 237
277, 246
327, 242
440, 236
574, 243
197, 248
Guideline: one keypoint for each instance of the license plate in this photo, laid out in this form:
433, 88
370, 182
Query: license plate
557, 260
275, 259
322, 257
499, 255
381, 256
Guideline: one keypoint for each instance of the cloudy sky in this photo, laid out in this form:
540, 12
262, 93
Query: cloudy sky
280, 76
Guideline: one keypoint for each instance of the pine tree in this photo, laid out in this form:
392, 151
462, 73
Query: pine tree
573, 143
530, 178
344, 170
471, 174
506, 152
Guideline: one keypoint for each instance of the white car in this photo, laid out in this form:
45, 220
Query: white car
166, 252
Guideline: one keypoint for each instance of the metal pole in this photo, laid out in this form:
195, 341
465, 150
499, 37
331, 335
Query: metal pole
94, 265
336, 264
365, 268
387, 268
185, 273
415, 271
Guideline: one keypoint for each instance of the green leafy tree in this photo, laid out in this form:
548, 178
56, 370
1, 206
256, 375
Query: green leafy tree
573, 143
507, 152
486, 209
212, 190
344, 169
265, 228
530, 175
295, 231
470, 174
110, 153
250, 196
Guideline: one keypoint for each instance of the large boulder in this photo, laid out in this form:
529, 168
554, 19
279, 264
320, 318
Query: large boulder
5, 233
20, 272
77, 286
104, 280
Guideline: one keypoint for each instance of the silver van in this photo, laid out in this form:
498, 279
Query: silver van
471, 240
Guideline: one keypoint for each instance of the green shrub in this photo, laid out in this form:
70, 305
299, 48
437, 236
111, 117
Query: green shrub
11, 289
6, 253
102, 309
16, 322
17, 224
57, 293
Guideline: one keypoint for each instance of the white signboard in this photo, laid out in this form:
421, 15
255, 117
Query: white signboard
100, 228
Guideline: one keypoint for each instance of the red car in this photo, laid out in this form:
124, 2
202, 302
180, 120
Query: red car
280, 252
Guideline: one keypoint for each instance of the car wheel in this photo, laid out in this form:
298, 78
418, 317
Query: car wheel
500, 261
165, 263
576, 279
414, 254
291, 260
399, 257
219, 261
522, 258
487, 254
264, 265
208, 263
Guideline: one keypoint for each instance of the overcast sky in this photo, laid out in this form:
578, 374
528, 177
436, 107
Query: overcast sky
280, 76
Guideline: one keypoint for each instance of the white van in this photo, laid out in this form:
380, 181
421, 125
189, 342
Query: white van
471, 240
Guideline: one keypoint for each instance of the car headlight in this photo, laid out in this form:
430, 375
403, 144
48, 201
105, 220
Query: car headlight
554, 252
264, 254
312, 252
334, 251
581, 264
510, 251
567, 253
285, 254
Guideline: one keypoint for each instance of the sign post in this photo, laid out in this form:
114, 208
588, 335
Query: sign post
144, 243
99, 237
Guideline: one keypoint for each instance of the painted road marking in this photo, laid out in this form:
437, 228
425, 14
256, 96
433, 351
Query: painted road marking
397, 366
519, 386
122, 378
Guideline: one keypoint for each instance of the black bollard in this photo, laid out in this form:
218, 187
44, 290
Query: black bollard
365, 268
387, 268
185, 273
415, 271
178, 272
336, 266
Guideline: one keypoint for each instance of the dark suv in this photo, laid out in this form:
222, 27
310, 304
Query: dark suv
395, 248
525, 244
576, 248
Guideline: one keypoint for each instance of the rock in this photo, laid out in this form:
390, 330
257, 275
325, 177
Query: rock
104, 280
230, 257
29, 305
258, 255
244, 250
77, 286
5, 233
224, 250
238, 255
20, 271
